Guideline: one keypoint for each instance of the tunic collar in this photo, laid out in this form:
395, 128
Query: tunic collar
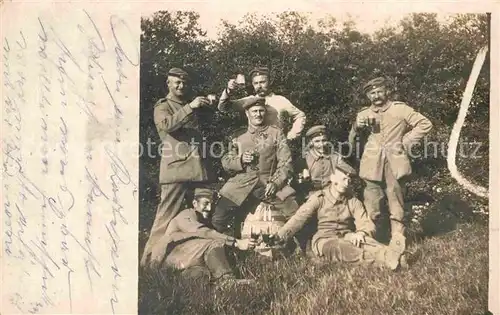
253, 129
315, 155
334, 197
377, 109
169, 97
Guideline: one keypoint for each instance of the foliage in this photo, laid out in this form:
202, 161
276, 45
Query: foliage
321, 69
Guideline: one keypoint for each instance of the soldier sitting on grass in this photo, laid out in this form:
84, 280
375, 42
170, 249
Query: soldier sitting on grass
196, 248
345, 230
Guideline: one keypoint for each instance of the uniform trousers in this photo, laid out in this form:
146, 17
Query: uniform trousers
212, 262
371, 252
394, 189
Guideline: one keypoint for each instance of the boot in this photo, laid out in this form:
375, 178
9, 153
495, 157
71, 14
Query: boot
398, 239
398, 243
392, 259
217, 262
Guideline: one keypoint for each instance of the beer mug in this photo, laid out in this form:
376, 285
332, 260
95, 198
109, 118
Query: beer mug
306, 175
255, 161
372, 122
240, 80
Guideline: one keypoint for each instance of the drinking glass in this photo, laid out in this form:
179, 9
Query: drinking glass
211, 98
240, 80
253, 234
255, 160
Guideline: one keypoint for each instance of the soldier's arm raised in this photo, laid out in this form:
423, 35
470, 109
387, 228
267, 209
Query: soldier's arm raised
167, 121
226, 103
298, 117
297, 221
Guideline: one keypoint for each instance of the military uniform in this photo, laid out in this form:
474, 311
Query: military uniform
385, 164
276, 105
189, 241
191, 244
320, 167
337, 215
246, 188
181, 164
315, 167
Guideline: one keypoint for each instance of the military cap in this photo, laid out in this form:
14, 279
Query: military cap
177, 72
252, 101
374, 83
203, 192
316, 131
344, 167
259, 71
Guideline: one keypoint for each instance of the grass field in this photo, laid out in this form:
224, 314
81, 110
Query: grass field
448, 274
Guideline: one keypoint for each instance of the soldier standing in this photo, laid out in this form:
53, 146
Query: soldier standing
181, 163
385, 164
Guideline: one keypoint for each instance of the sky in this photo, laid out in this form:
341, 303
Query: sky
369, 15
365, 22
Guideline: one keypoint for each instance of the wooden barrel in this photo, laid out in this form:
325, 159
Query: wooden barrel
264, 220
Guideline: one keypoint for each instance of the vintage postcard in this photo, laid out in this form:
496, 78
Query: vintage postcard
218, 157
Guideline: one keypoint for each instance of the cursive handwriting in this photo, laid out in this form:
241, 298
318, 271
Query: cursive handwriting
115, 239
44, 90
116, 23
42, 169
15, 221
120, 175
95, 47
94, 192
63, 146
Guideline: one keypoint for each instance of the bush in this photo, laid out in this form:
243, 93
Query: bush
321, 70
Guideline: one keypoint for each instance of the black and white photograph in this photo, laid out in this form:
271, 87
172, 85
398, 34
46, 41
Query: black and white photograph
314, 162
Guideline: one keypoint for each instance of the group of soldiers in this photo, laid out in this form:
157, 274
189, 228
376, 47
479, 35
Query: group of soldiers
260, 164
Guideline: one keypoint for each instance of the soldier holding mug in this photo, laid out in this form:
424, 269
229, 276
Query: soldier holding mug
385, 164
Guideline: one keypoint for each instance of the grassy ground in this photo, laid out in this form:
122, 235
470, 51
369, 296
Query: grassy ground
448, 272
448, 275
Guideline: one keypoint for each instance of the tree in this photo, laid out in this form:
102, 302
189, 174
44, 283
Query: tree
321, 69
